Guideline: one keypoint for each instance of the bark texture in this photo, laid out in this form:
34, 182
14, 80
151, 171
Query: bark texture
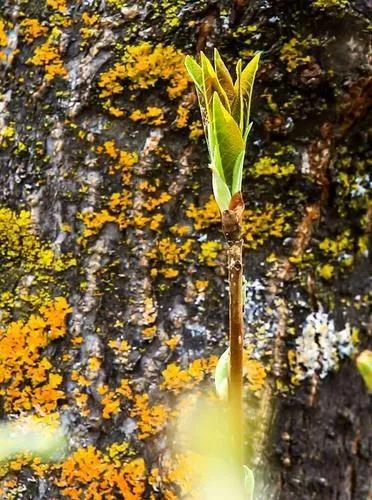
112, 281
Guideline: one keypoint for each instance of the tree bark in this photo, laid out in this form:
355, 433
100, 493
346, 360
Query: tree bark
101, 148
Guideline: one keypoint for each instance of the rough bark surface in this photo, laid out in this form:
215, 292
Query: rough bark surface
113, 276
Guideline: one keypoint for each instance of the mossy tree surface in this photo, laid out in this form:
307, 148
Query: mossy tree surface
112, 287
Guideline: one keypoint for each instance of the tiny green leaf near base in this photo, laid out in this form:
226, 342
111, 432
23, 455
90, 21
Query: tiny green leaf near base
221, 377
248, 482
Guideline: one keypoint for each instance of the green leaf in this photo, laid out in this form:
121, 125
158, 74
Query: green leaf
211, 85
228, 137
237, 105
221, 375
364, 365
247, 81
238, 173
220, 190
194, 71
246, 132
248, 482
224, 76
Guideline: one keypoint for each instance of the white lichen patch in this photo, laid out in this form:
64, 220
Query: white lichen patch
260, 317
319, 347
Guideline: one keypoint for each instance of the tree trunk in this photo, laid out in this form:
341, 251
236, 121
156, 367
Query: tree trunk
110, 243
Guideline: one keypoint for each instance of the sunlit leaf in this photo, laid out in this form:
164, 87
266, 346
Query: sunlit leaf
211, 85
228, 137
364, 364
248, 482
221, 376
237, 105
247, 130
194, 71
247, 81
224, 76
220, 191
238, 173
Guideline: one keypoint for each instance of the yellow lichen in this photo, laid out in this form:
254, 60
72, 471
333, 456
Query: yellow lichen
196, 130
209, 252
293, 54
336, 246
331, 4
262, 223
24, 254
204, 216
269, 166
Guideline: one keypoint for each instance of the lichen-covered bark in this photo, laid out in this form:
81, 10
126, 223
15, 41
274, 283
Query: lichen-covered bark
113, 301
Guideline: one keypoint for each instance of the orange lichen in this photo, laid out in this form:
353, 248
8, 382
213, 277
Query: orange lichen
94, 221
183, 112
32, 29
176, 379
150, 419
124, 160
151, 203
59, 5
180, 229
27, 379
149, 332
183, 470
47, 55
110, 401
201, 285
255, 373
90, 21
196, 130
3, 39
173, 342
153, 115
169, 251
145, 65
93, 475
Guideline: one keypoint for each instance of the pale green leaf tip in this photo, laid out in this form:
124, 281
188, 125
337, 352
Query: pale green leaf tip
222, 374
248, 481
364, 365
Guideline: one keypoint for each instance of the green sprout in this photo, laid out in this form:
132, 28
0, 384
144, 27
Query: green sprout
225, 109
364, 365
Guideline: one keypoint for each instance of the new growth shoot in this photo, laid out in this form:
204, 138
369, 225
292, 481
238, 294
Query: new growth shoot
225, 109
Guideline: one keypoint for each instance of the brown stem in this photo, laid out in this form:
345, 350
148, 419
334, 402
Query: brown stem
236, 346
232, 227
